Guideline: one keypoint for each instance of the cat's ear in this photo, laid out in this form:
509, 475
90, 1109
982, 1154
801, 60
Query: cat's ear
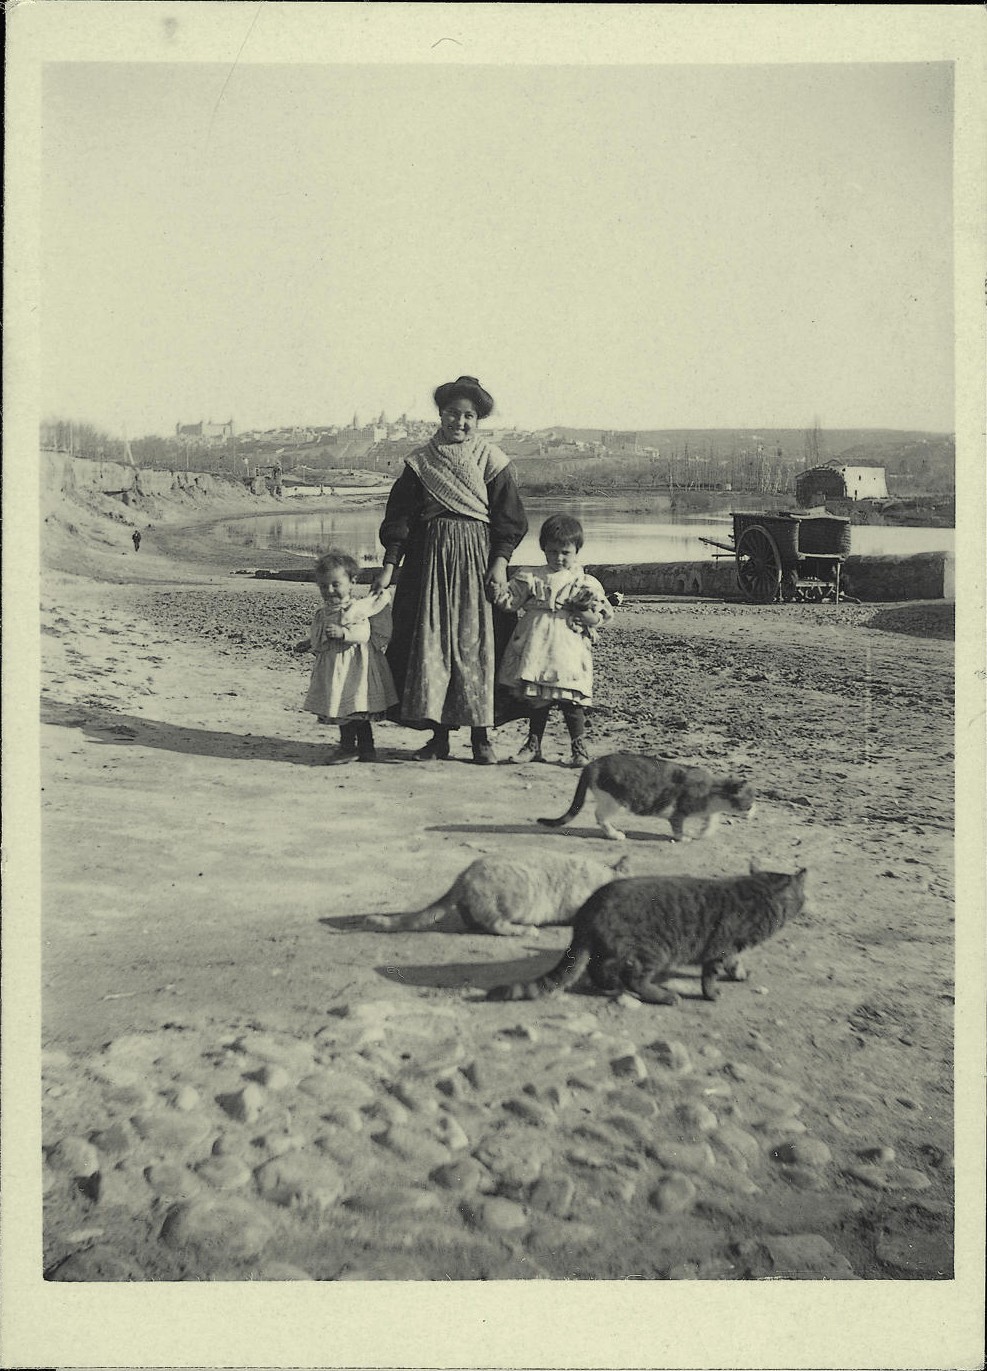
622, 867
755, 867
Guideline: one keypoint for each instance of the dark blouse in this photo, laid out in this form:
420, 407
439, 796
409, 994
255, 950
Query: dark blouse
406, 504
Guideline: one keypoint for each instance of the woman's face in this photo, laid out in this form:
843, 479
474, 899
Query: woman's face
458, 420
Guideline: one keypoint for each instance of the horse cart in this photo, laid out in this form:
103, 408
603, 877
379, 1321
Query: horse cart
788, 557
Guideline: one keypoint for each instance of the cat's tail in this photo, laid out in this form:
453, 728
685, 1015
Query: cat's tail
578, 800
566, 973
415, 922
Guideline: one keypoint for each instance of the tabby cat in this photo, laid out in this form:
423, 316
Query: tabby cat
508, 895
630, 933
650, 786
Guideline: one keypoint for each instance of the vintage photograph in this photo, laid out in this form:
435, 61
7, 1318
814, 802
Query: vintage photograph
498, 567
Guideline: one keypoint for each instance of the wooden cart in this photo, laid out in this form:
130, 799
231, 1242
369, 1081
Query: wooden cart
788, 557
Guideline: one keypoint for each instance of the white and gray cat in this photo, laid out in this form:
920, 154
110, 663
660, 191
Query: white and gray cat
651, 786
510, 896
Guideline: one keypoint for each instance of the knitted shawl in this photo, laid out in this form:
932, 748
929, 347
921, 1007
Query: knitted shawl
456, 474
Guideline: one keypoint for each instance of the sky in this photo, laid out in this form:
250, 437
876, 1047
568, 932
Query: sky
622, 247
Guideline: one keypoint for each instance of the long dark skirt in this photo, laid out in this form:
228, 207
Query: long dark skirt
447, 640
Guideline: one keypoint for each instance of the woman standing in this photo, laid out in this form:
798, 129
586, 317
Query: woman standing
455, 517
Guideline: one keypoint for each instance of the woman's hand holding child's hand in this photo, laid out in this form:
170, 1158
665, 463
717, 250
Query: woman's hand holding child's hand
383, 578
495, 581
335, 631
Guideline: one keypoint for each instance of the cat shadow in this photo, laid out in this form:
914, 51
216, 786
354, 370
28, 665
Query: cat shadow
535, 830
483, 976
107, 727
471, 975
517, 830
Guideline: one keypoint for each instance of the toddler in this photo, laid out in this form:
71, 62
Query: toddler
351, 682
549, 660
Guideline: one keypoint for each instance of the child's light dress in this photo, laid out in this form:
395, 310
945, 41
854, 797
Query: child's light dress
350, 678
550, 656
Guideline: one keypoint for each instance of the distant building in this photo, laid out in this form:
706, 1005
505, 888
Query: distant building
834, 481
209, 434
613, 438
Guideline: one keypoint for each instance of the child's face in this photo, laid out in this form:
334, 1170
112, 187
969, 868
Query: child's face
335, 586
561, 556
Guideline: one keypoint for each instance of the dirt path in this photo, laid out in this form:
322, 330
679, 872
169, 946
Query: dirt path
239, 1082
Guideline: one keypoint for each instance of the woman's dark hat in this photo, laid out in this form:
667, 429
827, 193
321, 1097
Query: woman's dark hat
469, 387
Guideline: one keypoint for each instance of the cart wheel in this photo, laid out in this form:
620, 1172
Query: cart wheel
758, 565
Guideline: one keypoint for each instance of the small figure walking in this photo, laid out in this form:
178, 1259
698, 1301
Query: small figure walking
351, 682
549, 660
135, 538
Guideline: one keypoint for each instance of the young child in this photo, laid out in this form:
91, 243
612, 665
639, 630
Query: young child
351, 682
549, 660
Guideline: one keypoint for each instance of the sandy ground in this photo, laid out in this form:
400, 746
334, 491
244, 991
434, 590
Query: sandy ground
240, 1082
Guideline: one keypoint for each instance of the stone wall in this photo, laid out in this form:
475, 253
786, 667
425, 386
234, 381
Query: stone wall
60, 472
924, 576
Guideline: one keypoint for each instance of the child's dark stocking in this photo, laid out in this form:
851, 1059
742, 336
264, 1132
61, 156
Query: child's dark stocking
366, 752
347, 737
575, 722
537, 723
537, 720
575, 718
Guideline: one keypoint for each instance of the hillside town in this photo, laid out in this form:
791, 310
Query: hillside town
903, 475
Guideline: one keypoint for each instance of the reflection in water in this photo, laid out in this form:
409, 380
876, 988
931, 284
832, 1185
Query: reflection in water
611, 535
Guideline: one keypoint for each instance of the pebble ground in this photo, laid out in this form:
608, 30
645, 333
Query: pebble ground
391, 1145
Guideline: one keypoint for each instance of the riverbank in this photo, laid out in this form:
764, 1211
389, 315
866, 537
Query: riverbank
929, 511
243, 1082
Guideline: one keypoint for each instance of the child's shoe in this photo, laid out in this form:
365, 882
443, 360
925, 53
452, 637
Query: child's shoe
530, 752
580, 757
348, 744
484, 755
340, 755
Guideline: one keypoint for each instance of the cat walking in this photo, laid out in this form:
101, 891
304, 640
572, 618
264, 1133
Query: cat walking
631, 933
652, 787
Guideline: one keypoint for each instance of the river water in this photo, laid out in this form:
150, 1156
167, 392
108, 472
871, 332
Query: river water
612, 536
